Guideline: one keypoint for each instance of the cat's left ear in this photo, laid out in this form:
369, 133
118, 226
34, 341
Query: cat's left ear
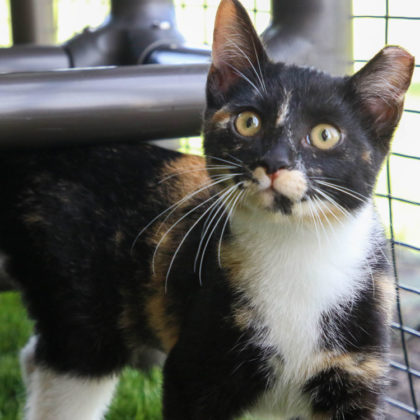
381, 86
237, 49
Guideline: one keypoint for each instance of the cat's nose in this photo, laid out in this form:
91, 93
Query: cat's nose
275, 159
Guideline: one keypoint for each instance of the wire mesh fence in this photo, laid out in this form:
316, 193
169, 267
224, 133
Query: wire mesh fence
199, 28
398, 195
375, 23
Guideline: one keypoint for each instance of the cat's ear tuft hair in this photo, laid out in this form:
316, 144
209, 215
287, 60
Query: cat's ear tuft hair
381, 86
237, 49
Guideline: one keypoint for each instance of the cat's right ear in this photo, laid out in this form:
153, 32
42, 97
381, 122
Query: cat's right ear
237, 49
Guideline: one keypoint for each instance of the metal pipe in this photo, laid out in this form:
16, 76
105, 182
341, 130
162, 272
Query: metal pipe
32, 21
312, 32
172, 54
108, 104
134, 29
147, 24
23, 58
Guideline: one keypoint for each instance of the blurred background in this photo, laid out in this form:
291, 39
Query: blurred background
375, 23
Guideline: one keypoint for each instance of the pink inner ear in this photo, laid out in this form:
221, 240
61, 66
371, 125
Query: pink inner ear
382, 84
382, 111
224, 77
236, 45
386, 115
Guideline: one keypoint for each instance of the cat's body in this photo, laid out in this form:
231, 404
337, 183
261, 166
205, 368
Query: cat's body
261, 271
98, 303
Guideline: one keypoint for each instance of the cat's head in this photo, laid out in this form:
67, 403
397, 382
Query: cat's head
298, 140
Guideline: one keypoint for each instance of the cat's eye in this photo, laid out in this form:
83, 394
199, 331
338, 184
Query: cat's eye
324, 136
248, 124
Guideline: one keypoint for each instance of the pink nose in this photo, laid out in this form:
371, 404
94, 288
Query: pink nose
274, 175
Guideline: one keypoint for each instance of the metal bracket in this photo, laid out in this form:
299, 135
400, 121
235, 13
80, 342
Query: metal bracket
136, 32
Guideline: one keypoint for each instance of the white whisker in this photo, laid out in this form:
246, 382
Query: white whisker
311, 209
340, 208
208, 218
189, 231
344, 190
224, 160
246, 79
180, 220
173, 206
259, 77
259, 67
318, 217
237, 159
242, 193
319, 205
210, 235
212, 215
219, 179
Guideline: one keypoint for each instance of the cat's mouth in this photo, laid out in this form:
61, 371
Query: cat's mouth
278, 191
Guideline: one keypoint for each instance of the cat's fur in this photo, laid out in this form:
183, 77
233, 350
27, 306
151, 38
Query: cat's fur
287, 314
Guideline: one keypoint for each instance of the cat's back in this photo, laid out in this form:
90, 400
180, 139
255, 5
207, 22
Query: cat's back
77, 188
80, 209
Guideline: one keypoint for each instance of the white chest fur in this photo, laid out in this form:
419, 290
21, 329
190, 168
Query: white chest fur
292, 274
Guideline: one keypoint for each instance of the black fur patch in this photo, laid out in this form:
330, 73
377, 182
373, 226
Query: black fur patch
335, 392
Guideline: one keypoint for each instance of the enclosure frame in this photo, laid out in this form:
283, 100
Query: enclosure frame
142, 32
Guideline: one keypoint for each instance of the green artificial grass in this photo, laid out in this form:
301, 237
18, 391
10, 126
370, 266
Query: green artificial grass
138, 396
15, 329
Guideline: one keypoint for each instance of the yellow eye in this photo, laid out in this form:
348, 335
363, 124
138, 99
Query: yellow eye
248, 124
324, 136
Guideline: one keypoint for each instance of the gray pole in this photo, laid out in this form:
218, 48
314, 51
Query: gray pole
32, 22
101, 105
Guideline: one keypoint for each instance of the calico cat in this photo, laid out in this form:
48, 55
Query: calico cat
260, 270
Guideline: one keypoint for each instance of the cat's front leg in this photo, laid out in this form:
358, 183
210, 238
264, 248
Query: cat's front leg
211, 381
349, 391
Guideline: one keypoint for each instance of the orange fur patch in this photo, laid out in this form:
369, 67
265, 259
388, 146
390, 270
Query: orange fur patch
221, 117
166, 328
184, 175
34, 218
362, 367
367, 156
118, 237
187, 174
